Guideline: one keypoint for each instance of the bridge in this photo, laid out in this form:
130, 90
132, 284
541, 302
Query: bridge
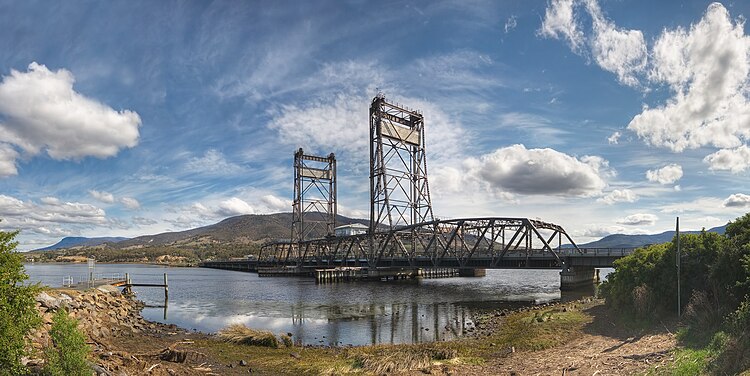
465, 244
403, 236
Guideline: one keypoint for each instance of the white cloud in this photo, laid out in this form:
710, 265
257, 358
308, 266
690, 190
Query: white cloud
130, 203
41, 111
737, 200
510, 24
515, 169
338, 123
49, 217
614, 139
324, 125
560, 23
619, 195
622, 52
707, 68
213, 162
275, 204
734, 160
638, 219
234, 206
143, 221
102, 196
8, 157
665, 175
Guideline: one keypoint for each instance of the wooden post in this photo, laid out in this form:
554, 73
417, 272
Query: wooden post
166, 288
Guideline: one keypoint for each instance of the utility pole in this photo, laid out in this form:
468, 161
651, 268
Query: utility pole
679, 305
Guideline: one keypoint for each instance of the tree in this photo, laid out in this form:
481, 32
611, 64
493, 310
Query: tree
67, 356
18, 314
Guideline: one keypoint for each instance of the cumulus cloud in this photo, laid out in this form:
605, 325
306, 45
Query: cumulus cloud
614, 139
275, 204
560, 23
41, 111
707, 69
130, 203
234, 206
213, 162
619, 195
104, 197
622, 52
49, 217
734, 160
638, 220
665, 175
737, 200
515, 169
8, 157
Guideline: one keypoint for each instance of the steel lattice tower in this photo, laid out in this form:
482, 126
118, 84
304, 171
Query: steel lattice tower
314, 207
399, 192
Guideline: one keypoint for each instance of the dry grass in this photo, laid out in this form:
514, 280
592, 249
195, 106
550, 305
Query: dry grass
238, 333
387, 360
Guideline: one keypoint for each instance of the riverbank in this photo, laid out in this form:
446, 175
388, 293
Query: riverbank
580, 336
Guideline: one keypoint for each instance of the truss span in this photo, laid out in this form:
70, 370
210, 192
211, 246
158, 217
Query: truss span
462, 242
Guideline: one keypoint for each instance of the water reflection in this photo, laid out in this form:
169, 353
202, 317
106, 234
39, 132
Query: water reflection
356, 313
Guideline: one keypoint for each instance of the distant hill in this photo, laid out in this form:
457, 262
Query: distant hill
634, 241
78, 241
243, 229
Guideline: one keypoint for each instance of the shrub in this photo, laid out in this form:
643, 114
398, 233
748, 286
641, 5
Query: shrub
238, 333
67, 355
18, 314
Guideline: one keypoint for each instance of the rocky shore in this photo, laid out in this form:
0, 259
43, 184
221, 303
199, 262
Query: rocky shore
121, 340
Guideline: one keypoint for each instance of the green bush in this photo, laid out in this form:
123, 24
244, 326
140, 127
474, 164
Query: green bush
67, 355
18, 314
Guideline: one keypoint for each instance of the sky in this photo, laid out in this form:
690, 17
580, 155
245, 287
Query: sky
126, 118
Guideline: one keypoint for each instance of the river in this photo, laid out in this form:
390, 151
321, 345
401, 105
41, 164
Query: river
353, 313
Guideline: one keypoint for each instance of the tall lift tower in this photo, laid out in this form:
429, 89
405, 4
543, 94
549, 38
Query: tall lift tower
399, 192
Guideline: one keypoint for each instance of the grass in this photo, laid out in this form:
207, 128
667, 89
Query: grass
539, 330
240, 334
687, 362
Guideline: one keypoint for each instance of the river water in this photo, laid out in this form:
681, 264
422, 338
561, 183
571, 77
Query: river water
356, 313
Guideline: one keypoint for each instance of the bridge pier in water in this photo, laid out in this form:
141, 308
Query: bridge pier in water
577, 277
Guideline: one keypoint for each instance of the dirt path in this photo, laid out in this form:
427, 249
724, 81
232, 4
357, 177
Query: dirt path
603, 348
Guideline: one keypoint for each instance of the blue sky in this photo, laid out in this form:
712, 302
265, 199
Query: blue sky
127, 118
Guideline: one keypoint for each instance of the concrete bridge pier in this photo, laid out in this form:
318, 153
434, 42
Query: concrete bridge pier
572, 278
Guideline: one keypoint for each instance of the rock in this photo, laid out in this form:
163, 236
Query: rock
110, 290
295, 355
243, 363
48, 301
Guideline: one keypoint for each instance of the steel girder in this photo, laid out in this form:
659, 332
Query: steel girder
458, 242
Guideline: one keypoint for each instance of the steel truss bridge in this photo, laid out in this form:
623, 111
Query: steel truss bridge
465, 243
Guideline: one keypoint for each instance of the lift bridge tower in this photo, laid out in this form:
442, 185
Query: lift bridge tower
399, 192
314, 206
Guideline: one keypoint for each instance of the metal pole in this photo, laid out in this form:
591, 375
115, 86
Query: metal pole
679, 303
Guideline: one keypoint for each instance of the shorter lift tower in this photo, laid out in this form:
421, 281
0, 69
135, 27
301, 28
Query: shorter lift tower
314, 207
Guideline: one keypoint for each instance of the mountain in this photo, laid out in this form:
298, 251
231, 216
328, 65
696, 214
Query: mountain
634, 241
243, 229
77, 241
